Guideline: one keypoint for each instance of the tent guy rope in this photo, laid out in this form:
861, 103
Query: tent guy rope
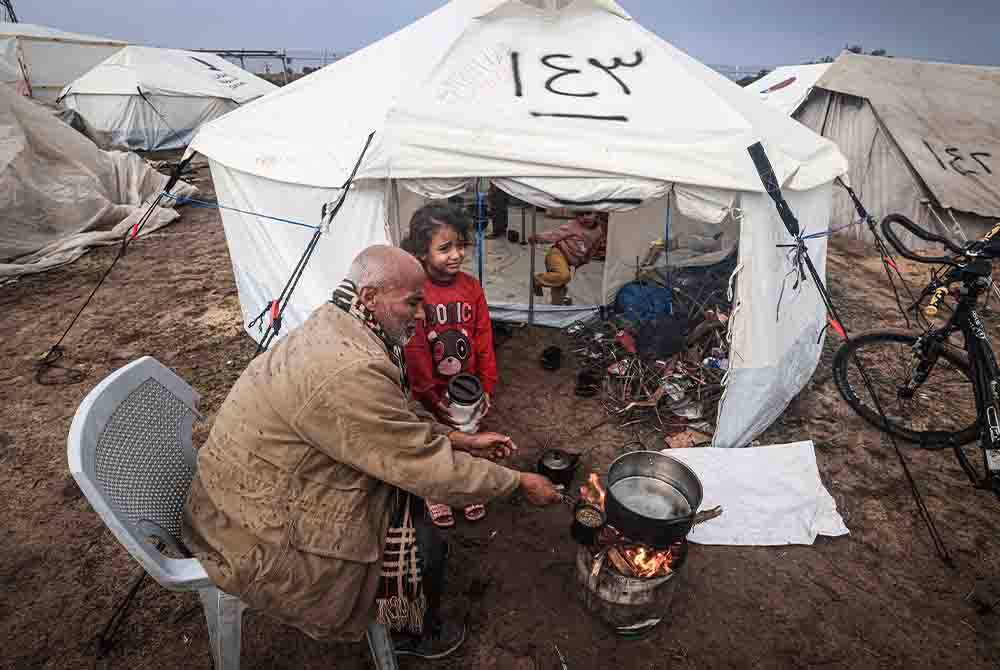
773, 188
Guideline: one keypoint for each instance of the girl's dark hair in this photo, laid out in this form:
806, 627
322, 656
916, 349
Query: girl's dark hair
429, 218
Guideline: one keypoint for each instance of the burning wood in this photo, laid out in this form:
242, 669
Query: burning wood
640, 561
593, 492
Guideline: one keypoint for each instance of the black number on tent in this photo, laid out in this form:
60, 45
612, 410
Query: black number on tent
936, 157
563, 72
208, 65
515, 61
957, 158
975, 156
615, 64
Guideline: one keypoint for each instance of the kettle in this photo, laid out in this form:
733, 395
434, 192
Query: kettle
559, 466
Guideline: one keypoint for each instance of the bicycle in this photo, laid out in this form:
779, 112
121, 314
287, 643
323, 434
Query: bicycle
917, 375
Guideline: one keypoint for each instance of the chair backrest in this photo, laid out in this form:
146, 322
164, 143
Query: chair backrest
130, 450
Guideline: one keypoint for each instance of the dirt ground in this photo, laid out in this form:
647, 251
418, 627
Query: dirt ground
877, 598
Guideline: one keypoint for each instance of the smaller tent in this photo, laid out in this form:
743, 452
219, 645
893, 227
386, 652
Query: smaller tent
144, 98
60, 194
923, 140
39, 61
787, 87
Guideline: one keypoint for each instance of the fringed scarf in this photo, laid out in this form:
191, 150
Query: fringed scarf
400, 600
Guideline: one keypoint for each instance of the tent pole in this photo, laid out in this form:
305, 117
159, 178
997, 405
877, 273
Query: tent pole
531, 282
666, 251
480, 238
524, 237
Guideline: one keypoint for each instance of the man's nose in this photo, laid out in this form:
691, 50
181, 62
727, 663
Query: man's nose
419, 315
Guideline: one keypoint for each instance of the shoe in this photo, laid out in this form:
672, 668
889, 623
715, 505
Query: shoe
440, 643
552, 358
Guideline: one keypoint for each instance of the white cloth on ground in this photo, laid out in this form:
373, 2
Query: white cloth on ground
769, 495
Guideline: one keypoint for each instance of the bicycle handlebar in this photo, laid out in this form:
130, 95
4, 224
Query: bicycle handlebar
923, 234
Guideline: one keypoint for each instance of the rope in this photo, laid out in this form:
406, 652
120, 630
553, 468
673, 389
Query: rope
180, 200
801, 254
888, 262
142, 95
922, 508
278, 306
832, 231
55, 353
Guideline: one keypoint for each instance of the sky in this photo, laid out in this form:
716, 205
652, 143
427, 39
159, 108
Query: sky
735, 32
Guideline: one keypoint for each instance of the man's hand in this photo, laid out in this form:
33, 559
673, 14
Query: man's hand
538, 490
493, 446
534, 239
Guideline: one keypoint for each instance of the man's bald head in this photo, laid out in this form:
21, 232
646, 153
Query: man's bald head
383, 267
390, 284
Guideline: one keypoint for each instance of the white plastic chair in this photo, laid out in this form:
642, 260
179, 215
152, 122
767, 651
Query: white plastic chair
130, 451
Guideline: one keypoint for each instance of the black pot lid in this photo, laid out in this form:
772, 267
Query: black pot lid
557, 459
465, 389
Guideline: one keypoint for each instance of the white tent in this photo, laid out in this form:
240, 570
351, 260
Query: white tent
60, 194
39, 61
923, 139
577, 105
146, 98
787, 87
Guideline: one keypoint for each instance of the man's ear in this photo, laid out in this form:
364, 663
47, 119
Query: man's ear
368, 296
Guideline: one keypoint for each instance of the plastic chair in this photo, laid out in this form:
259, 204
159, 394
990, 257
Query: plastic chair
129, 449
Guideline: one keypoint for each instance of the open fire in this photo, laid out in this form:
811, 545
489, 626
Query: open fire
629, 559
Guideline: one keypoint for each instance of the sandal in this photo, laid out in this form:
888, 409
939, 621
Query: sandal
441, 515
475, 512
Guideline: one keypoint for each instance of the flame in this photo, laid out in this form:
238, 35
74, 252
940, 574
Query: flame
648, 563
593, 492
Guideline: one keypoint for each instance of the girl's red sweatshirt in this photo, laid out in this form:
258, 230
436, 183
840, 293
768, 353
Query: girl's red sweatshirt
456, 336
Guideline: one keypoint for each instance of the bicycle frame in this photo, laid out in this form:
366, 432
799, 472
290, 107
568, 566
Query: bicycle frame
975, 278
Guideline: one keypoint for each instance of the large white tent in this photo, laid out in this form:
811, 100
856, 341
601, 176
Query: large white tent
923, 139
146, 98
569, 103
788, 86
39, 61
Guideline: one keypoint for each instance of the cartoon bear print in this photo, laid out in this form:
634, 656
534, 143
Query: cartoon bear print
450, 349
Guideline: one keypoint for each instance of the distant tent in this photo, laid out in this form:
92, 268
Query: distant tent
60, 194
560, 104
922, 139
145, 98
787, 87
39, 61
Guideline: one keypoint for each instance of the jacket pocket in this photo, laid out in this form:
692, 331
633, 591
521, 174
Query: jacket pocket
349, 540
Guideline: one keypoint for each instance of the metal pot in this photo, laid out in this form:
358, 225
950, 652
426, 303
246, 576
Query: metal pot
652, 498
559, 466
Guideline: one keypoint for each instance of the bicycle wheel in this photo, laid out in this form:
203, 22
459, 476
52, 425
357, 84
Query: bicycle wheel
938, 414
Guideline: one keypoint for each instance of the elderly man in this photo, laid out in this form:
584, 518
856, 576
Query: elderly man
311, 462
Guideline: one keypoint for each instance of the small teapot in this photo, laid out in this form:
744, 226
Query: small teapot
559, 466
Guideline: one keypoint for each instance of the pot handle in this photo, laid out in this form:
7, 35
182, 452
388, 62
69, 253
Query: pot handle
706, 515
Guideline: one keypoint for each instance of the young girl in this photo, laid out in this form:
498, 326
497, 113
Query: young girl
457, 335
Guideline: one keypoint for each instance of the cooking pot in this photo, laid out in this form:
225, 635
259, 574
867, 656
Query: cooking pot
559, 466
652, 498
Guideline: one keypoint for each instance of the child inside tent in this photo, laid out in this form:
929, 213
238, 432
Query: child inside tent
574, 244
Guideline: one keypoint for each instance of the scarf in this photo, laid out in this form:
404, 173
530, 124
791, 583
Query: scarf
400, 599
346, 298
